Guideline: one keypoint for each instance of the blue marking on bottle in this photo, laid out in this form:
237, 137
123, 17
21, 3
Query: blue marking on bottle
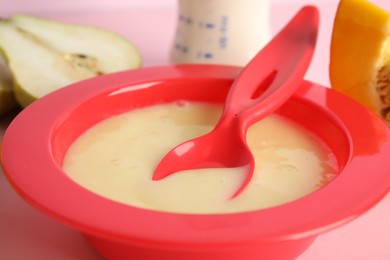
210, 25
223, 42
224, 24
223, 39
184, 49
208, 55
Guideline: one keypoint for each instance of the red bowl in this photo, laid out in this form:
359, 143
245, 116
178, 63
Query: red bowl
36, 141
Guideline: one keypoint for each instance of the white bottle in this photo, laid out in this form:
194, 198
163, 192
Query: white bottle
220, 31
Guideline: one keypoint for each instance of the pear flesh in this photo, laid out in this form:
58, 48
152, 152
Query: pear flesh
7, 99
45, 55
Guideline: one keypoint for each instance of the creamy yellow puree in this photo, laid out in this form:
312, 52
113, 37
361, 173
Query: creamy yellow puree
116, 159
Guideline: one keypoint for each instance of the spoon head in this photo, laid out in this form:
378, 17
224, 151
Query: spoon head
217, 149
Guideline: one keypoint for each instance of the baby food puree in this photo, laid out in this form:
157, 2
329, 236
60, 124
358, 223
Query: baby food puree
116, 158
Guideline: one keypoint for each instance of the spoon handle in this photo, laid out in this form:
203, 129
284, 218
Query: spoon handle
276, 71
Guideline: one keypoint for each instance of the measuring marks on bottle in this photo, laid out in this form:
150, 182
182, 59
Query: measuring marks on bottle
201, 39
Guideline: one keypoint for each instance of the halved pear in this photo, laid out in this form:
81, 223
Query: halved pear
7, 98
45, 55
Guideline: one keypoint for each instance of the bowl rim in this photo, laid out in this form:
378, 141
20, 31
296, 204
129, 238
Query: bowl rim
27, 158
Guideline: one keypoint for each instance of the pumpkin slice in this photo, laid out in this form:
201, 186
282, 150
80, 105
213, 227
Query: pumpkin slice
360, 54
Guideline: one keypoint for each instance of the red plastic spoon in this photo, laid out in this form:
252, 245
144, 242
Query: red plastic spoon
268, 81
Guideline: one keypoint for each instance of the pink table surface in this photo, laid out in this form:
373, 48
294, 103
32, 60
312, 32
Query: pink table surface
26, 233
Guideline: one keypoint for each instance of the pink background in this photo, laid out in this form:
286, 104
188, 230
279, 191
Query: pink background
25, 233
